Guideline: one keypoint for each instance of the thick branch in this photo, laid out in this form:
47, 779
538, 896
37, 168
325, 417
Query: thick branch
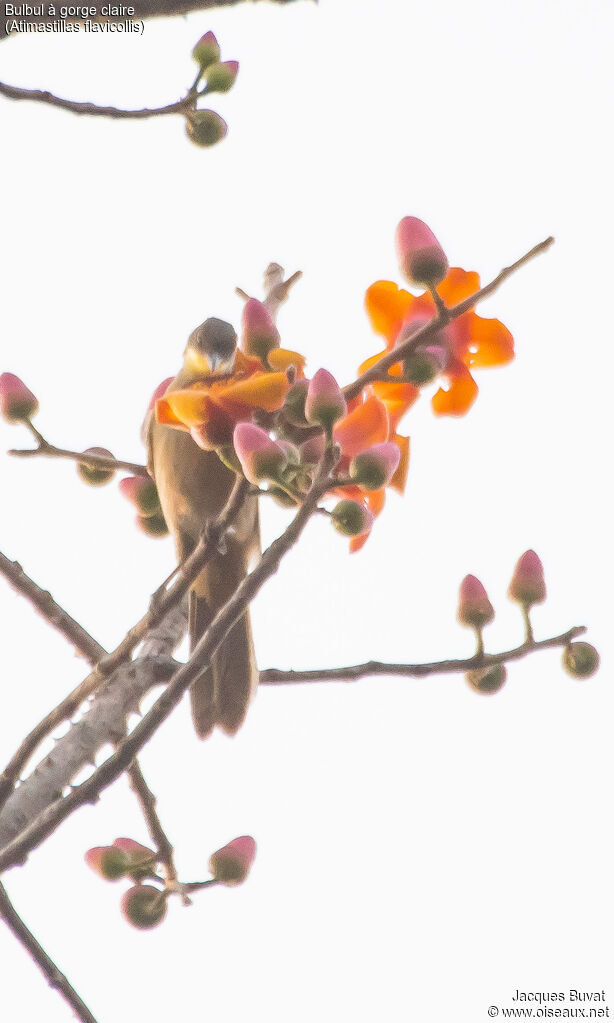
55, 977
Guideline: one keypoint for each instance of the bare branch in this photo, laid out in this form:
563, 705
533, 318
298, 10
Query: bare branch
86, 457
51, 610
276, 676
55, 977
147, 801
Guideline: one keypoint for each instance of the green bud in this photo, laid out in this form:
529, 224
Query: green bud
487, 680
580, 660
95, 476
205, 127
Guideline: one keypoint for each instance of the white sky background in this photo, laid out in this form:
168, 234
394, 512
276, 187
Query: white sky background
423, 851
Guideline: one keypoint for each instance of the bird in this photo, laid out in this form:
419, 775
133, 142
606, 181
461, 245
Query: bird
193, 487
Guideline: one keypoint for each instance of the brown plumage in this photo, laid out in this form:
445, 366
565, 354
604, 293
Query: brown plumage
194, 486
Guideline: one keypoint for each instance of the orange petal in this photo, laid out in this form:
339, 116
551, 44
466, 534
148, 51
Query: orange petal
397, 398
166, 416
187, 406
375, 499
387, 307
282, 358
399, 479
490, 343
364, 426
364, 366
459, 397
262, 390
246, 365
358, 541
458, 285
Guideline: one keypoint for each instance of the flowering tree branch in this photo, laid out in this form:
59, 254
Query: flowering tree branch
150, 668
277, 676
441, 319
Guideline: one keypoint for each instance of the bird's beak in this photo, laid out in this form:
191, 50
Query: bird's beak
199, 364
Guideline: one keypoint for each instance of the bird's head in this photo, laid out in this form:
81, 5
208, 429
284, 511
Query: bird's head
211, 349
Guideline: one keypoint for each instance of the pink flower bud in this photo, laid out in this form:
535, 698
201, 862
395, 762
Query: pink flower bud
144, 906
142, 493
205, 127
580, 660
474, 607
17, 403
221, 76
375, 467
351, 518
528, 586
261, 458
311, 450
152, 525
207, 50
421, 257
231, 864
107, 861
141, 860
325, 403
96, 476
260, 335
487, 680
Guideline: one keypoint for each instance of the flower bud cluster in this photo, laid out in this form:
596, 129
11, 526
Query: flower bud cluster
206, 127
144, 905
527, 588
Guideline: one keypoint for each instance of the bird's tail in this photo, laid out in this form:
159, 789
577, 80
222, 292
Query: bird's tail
221, 694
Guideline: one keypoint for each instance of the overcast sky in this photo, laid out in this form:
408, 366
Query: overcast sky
424, 852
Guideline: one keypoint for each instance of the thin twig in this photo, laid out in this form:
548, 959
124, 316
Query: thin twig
51, 610
158, 835
95, 461
92, 109
276, 676
55, 977
438, 321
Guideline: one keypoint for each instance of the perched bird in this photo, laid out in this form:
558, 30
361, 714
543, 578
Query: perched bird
194, 486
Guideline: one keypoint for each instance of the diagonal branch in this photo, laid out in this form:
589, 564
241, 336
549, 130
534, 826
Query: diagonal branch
54, 976
442, 317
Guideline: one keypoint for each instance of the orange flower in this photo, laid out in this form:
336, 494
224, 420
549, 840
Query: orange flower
473, 341
218, 404
368, 423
